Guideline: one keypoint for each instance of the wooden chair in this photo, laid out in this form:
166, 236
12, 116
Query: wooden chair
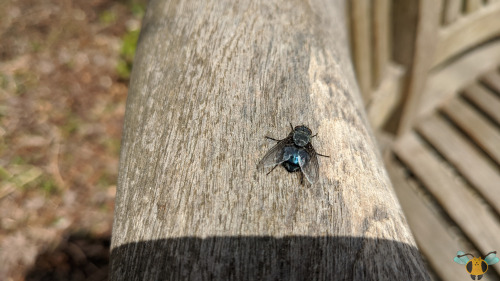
380, 78
398, 46
444, 156
430, 37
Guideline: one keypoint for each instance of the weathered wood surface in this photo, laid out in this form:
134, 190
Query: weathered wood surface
210, 80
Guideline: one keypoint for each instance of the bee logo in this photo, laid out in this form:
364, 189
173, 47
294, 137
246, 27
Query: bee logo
476, 266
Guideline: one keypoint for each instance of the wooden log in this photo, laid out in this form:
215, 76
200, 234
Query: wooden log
210, 80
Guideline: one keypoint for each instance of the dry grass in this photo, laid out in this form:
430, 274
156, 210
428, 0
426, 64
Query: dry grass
62, 103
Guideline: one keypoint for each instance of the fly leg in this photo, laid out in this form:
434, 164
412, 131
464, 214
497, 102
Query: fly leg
272, 169
269, 138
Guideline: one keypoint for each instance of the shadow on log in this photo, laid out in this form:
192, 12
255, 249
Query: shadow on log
266, 258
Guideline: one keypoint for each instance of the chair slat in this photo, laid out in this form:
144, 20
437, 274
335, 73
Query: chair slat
477, 127
474, 218
468, 161
437, 244
488, 102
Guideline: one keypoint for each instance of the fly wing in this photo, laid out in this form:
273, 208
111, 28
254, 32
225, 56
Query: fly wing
309, 164
275, 155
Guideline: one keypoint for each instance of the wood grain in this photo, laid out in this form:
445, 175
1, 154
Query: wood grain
210, 80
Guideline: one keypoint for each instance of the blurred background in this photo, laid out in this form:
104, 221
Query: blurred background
428, 72
64, 73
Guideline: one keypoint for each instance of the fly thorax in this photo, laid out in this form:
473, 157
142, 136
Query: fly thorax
301, 138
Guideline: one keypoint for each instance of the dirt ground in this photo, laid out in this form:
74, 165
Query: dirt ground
63, 84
